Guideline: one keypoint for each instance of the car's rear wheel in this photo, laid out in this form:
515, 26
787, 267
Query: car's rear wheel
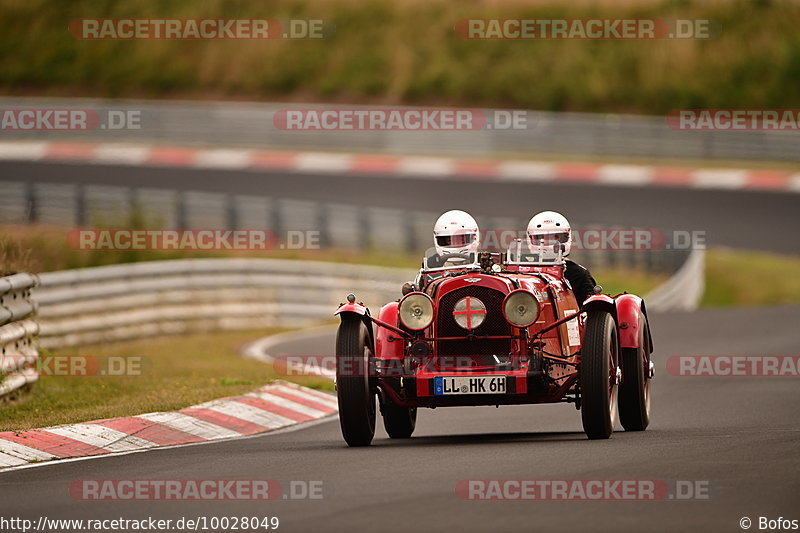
634, 390
599, 376
356, 397
399, 421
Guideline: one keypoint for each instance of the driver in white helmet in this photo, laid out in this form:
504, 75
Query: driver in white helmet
456, 238
551, 227
455, 232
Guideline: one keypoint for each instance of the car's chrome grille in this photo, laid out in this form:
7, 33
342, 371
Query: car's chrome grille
478, 352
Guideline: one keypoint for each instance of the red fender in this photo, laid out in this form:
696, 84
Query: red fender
351, 308
629, 314
602, 302
384, 347
357, 310
627, 310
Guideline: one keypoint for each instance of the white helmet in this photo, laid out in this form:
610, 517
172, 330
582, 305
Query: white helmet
456, 232
549, 226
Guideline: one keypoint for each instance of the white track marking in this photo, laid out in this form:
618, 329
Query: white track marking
719, 179
330, 401
527, 171
426, 166
793, 183
124, 154
289, 404
23, 151
8, 460
25, 453
222, 158
327, 398
248, 413
625, 174
102, 437
322, 162
191, 425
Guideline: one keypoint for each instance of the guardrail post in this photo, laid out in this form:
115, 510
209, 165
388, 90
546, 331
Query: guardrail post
648, 259
80, 206
134, 211
323, 225
180, 210
410, 235
31, 200
232, 212
362, 227
275, 219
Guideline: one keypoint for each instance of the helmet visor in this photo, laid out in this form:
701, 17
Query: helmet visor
550, 238
459, 240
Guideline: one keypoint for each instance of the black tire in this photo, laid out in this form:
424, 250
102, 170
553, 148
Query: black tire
356, 399
399, 421
634, 390
598, 375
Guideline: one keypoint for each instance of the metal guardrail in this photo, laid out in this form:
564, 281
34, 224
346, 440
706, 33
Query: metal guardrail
135, 300
338, 225
18, 351
251, 125
683, 291
346, 227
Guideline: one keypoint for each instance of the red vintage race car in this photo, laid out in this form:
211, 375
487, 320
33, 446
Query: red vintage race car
493, 329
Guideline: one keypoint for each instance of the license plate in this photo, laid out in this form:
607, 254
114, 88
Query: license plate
443, 385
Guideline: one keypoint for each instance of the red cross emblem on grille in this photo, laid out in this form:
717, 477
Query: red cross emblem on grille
469, 312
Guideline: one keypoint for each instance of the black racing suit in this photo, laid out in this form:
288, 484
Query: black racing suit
582, 282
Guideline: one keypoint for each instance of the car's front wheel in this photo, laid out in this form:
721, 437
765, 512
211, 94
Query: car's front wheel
599, 375
356, 397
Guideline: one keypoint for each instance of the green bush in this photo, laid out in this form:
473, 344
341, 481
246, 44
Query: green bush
407, 52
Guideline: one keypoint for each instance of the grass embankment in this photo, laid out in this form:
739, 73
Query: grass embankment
176, 372
747, 279
393, 52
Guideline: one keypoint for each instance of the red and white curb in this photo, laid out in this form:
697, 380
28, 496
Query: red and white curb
272, 407
388, 165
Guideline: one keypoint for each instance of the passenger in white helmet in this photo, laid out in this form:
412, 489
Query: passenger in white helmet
549, 227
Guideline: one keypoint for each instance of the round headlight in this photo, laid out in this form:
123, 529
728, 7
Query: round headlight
521, 308
416, 311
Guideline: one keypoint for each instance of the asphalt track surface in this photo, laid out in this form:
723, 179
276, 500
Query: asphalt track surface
738, 435
750, 219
